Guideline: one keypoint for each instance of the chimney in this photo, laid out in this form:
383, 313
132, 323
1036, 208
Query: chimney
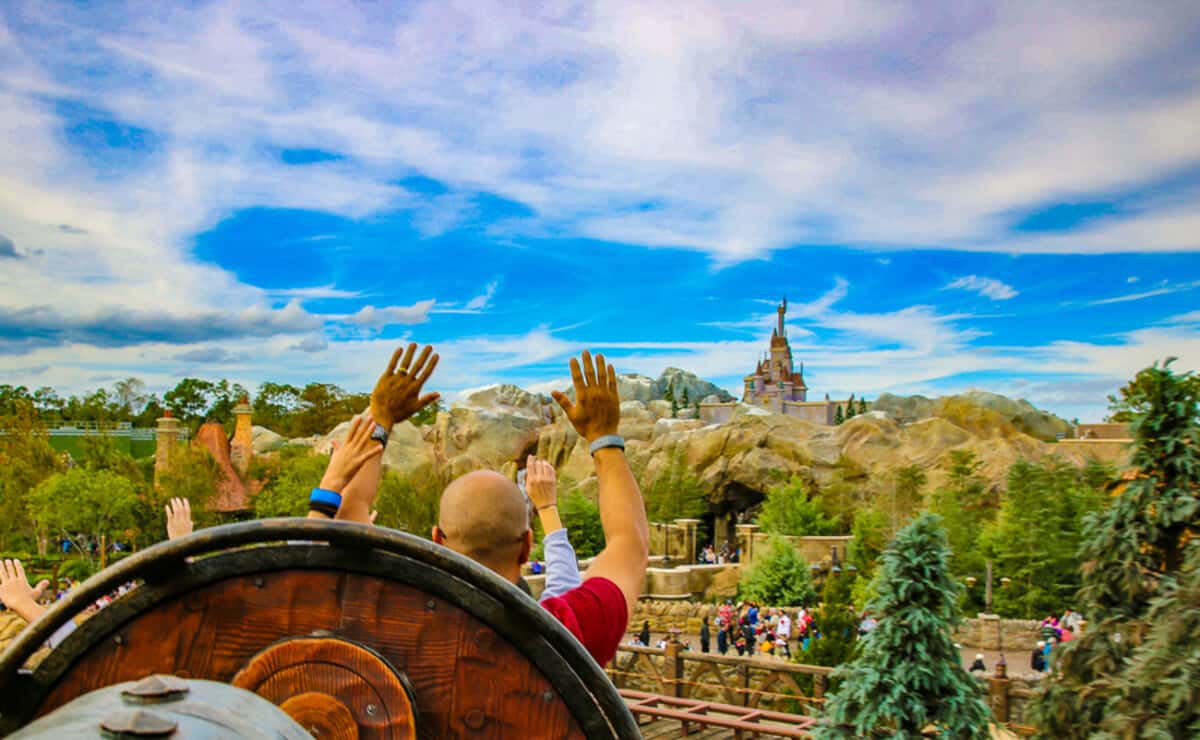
241, 449
166, 441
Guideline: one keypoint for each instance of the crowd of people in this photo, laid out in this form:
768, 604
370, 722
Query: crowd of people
1053, 631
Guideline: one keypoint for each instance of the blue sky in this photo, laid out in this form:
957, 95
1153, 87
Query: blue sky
1003, 198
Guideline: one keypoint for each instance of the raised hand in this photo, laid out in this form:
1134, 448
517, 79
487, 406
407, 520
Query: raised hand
597, 407
397, 395
179, 518
540, 483
349, 456
17, 594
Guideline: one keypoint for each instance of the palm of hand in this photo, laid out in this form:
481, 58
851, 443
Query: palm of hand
596, 411
540, 482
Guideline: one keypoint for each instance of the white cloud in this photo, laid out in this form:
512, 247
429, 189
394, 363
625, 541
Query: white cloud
984, 286
374, 318
1131, 279
1165, 290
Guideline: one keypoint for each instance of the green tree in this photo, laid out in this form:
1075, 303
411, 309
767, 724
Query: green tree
779, 577
908, 494
684, 401
838, 416
274, 405
581, 516
675, 493
862, 406
1035, 539
408, 504
908, 676
87, 507
428, 415
838, 623
851, 411
871, 534
1133, 557
789, 509
189, 399
131, 395
966, 507
288, 481
26, 459
193, 475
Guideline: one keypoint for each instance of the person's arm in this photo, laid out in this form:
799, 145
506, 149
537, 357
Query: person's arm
596, 413
562, 567
17, 594
348, 460
396, 397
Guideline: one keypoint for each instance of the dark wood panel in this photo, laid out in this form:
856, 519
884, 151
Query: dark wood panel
459, 668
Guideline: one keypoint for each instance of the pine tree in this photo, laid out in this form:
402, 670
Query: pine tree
862, 406
779, 577
850, 410
838, 417
1125, 670
909, 676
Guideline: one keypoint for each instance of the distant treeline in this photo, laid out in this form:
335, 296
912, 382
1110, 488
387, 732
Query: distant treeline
286, 409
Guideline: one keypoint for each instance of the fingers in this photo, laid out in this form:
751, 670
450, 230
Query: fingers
391, 368
601, 372
589, 368
19, 570
40, 589
564, 403
577, 378
374, 515
612, 380
427, 399
428, 371
6, 573
415, 370
187, 507
408, 355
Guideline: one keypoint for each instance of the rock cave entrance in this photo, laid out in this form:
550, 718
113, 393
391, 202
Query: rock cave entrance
737, 504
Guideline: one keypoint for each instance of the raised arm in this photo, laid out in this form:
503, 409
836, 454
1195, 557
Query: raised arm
179, 518
17, 594
396, 397
562, 567
359, 451
595, 414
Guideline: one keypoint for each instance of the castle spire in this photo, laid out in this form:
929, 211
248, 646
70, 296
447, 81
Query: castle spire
781, 311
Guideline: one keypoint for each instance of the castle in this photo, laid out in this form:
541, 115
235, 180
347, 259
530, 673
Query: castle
776, 385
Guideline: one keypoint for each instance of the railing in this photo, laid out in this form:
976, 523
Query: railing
695, 715
747, 682
122, 429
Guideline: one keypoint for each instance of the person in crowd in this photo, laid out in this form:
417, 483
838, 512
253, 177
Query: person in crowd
1070, 621
867, 624
722, 637
784, 630
662, 643
725, 611
498, 535
749, 634
752, 613
978, 665
644, 635
1037, 659
562, 566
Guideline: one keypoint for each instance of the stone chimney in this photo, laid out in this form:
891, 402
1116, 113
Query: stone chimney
241, 449
166, 441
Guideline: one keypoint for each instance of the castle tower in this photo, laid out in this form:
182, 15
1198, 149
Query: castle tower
241, 448
166, 441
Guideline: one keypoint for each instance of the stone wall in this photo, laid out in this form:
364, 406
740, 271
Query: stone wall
818, 550
1114, 451
985, 633
717, 413
1103, 431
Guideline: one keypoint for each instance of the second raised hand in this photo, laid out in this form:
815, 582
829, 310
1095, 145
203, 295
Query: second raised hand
351, 454
397, 395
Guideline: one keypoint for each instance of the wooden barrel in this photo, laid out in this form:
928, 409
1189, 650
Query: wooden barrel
382, 634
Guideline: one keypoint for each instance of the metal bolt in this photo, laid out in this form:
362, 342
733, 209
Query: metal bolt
258, 581
119, 640
547, 697
371, 710
431, 604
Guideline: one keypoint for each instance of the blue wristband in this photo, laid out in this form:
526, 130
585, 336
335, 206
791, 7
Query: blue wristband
608, 440
325, 497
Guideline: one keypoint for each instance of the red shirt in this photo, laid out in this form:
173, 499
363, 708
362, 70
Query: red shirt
595, 613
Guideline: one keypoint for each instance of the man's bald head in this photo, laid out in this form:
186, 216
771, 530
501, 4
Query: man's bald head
484, 516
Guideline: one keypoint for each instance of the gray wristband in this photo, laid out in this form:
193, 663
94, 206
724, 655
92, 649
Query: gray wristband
608, 440
380, 434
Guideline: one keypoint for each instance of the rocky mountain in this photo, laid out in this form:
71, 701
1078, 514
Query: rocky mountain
733, 463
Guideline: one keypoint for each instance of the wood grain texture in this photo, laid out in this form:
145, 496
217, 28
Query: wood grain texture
464, 675
322, 715
362, 682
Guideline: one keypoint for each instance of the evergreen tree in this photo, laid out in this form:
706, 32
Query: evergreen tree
850, 410
838, 623
838, 417
684, 401
778, 577
789, 510
862, 406
909, 676
1127, 667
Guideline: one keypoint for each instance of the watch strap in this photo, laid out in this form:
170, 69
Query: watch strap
608, 440
380, 433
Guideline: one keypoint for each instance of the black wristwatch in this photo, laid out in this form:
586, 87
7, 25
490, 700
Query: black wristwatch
381, 434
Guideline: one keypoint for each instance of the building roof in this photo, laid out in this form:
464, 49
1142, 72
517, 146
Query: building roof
232, 494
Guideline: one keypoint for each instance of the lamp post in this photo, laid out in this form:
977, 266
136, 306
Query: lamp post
1001, 664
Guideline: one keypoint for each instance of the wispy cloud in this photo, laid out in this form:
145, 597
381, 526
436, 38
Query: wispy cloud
984, 286
1165, 290
373, 317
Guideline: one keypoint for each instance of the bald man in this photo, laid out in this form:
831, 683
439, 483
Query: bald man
484, 516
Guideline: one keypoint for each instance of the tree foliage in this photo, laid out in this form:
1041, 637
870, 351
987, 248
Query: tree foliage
908, 675
287, 482
87, 507
789, 509
581, 516
193, 475
675, 493
26, 459
408, 504
1037, 535
966, 506
1134, 575
779, 576
838, 623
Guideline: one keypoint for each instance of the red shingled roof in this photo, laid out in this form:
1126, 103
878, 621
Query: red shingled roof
232, 494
